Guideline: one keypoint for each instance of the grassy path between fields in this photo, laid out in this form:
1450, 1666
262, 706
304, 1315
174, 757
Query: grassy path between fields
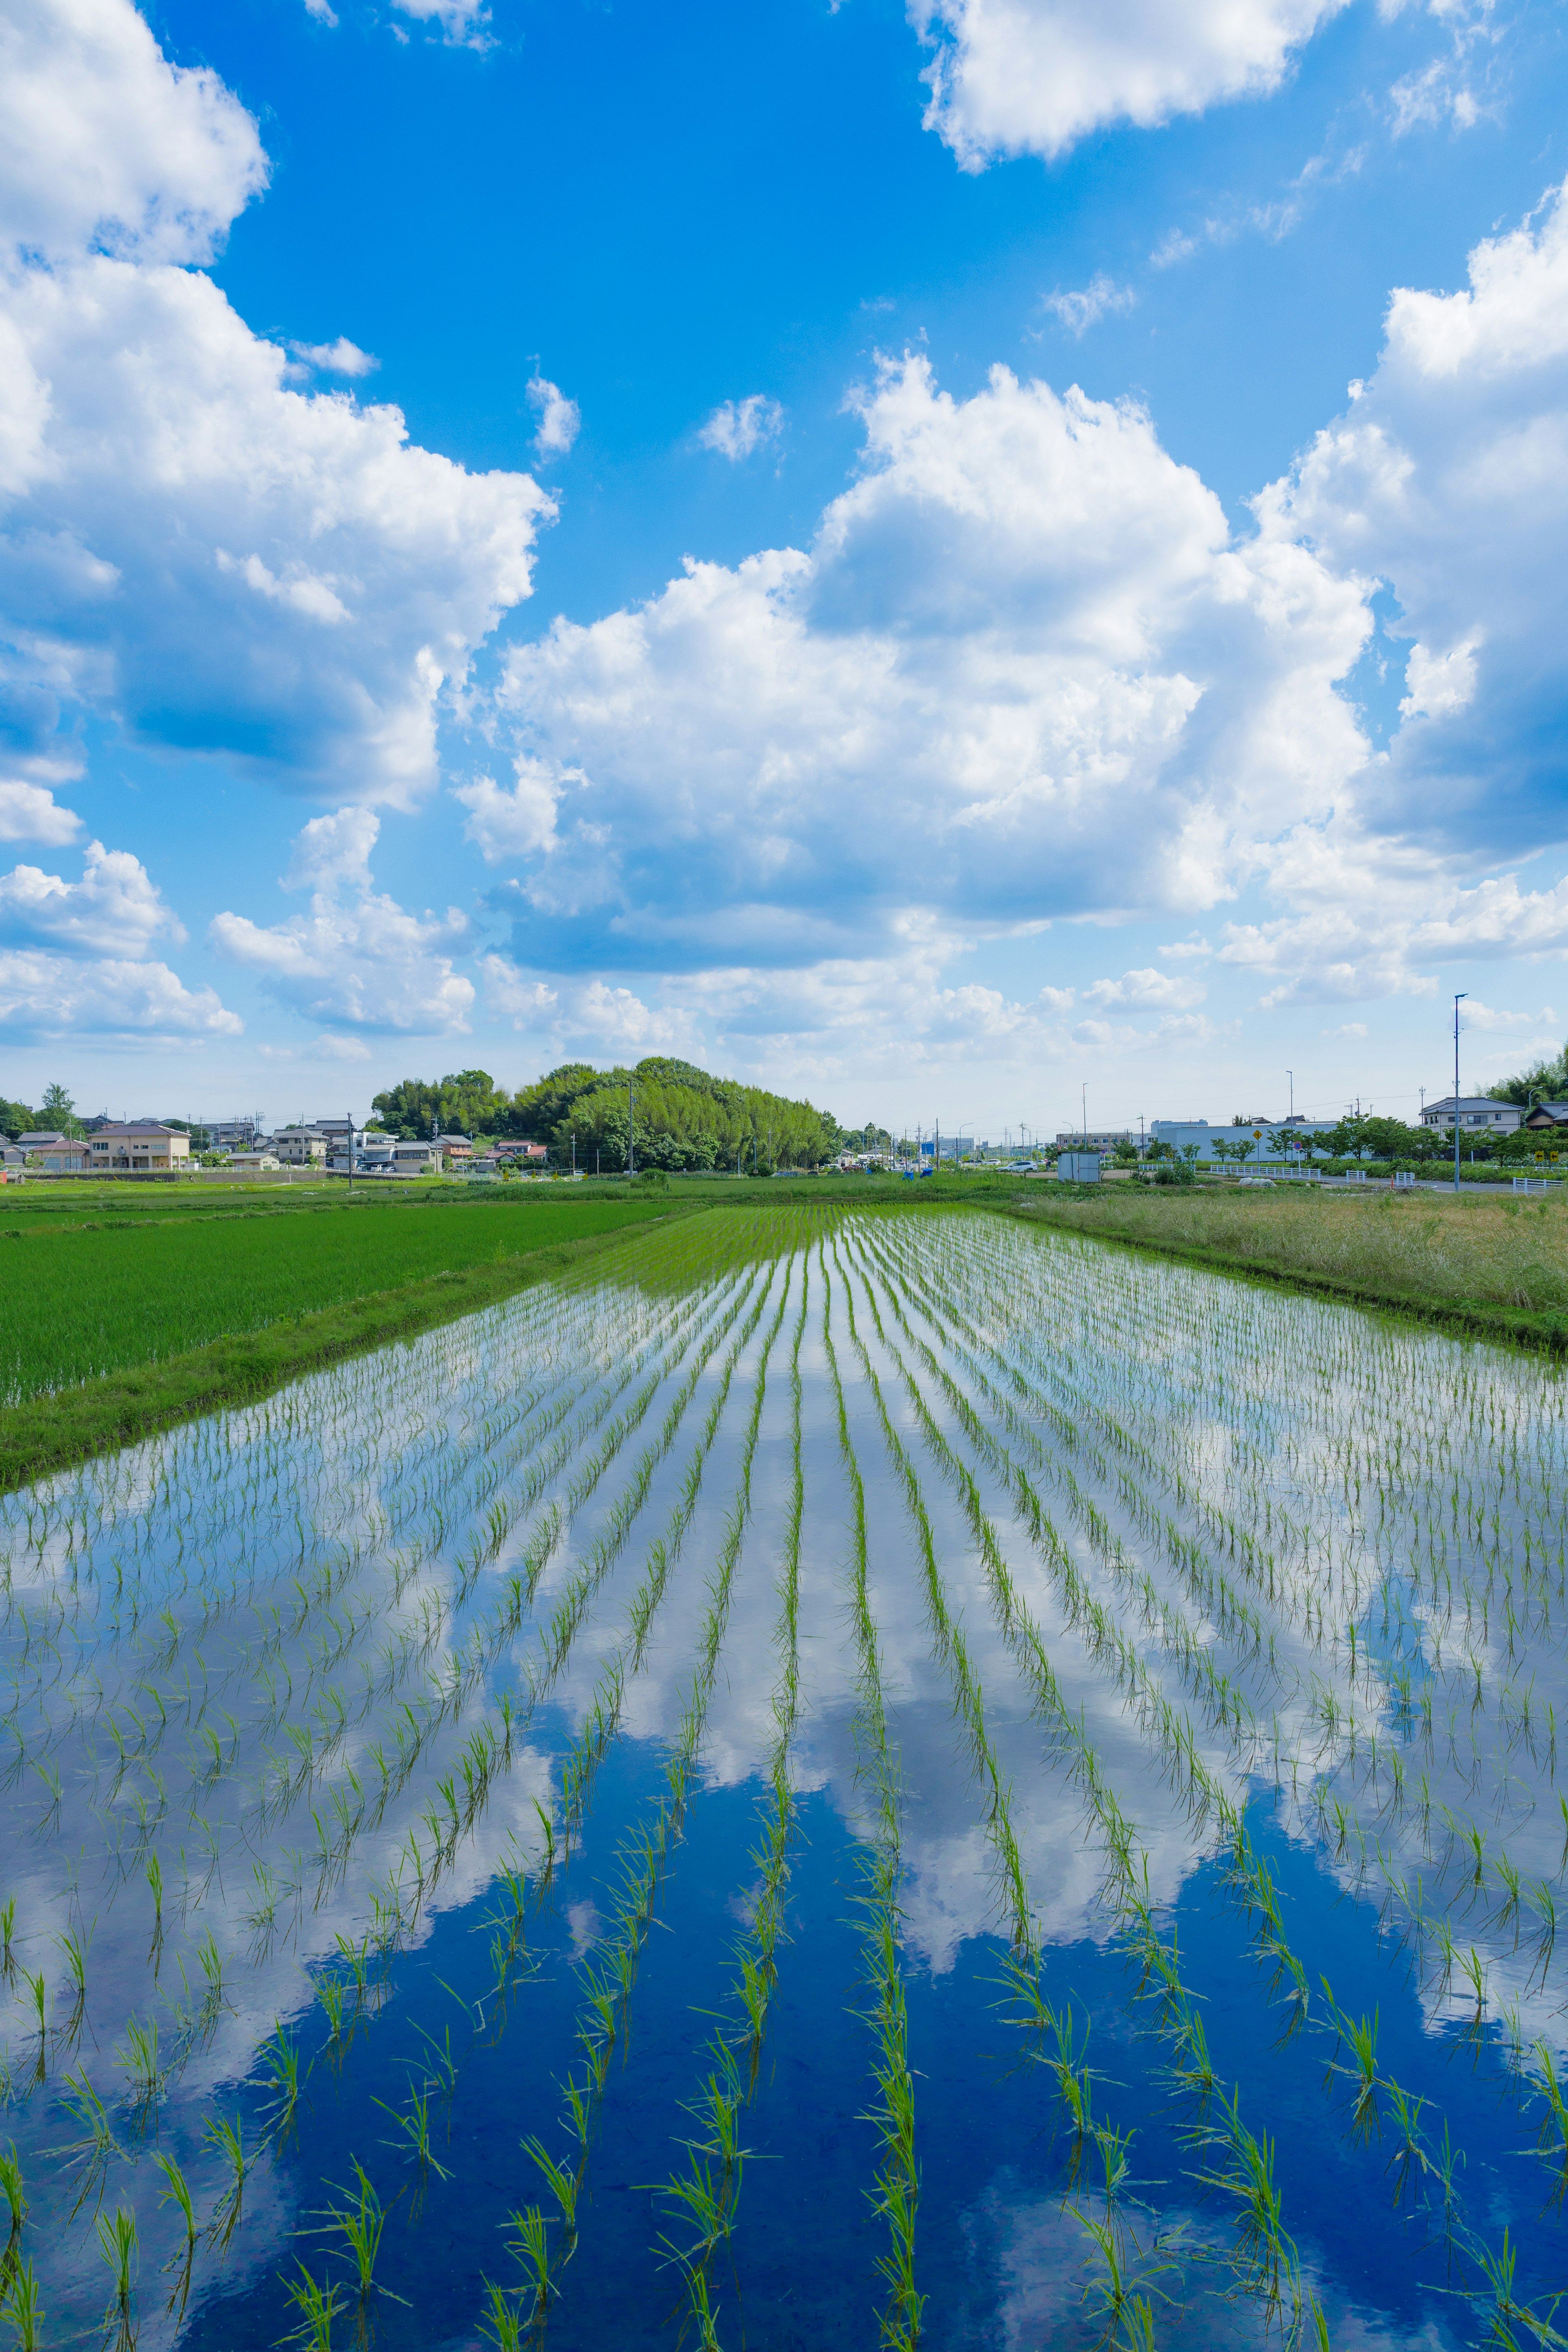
51, 1432
1490, 1270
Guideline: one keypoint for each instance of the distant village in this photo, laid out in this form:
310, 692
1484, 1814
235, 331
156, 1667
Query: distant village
1489, 1127
110, 1147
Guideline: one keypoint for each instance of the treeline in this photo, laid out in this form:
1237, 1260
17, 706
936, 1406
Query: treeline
685, 1118
1545, 1081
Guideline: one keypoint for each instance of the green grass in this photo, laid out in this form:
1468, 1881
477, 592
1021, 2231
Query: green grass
83, 1299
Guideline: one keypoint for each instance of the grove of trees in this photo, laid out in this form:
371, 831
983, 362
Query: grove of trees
685, 1118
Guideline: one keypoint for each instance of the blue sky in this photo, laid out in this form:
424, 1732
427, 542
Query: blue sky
836, 541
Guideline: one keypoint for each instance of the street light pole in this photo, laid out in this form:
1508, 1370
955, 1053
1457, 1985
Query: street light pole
1460, 995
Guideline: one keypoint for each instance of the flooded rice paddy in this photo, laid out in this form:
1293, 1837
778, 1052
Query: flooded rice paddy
837, 1779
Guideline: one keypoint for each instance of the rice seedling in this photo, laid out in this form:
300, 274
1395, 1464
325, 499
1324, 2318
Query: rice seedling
228, 2142
12, 2189
22, 2307
117, 2244
177, 2191
92, 2154
317, 2305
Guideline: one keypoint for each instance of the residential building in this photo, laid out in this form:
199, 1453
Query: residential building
300, 1147
1544, 1115
51, 1153
514, 1149
233, 1134
416, 1159
138, 1145
1478, 1115
257, 1161
455, 1150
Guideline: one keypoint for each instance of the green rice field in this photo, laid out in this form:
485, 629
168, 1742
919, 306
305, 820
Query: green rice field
83, 1292
826, 1778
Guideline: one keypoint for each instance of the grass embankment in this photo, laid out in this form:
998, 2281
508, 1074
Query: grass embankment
1495, 1268
100, 1324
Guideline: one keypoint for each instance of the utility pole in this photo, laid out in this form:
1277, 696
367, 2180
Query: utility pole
351, 1155
1458, 995
1290, 1075
1086, 1114
631, 1125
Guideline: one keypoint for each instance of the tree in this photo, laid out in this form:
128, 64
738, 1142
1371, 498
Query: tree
1545, 1081
57, 1110
465, 1102
1390, 1138
16, 1118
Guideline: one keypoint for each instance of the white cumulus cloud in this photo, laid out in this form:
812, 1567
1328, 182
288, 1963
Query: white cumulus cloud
43, 995
738, 427
1032, 76
30, 811
115, 909
103, 142
225, 563
559, 418
357, 957
1100, 298
339, 358
1447, 478
1024, 668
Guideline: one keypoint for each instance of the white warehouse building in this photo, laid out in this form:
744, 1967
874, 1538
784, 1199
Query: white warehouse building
1179, 1133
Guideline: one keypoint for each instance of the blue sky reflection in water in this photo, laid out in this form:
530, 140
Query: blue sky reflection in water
335, 1586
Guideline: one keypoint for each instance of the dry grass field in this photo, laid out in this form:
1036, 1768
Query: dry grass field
1498, 1264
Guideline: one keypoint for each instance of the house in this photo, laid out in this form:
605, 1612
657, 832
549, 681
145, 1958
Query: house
1544, 1115
417, 1159
1478, 1115
516, 1149
137, 1147
13, 1160
50, 1153
300, 1147
455, 1149
232, 1134
255, 1160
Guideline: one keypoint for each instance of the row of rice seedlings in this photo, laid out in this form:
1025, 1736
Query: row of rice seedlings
704, 2196
895, 2197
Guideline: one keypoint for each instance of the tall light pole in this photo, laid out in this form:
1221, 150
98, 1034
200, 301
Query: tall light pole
1459, 995
1290, 1075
